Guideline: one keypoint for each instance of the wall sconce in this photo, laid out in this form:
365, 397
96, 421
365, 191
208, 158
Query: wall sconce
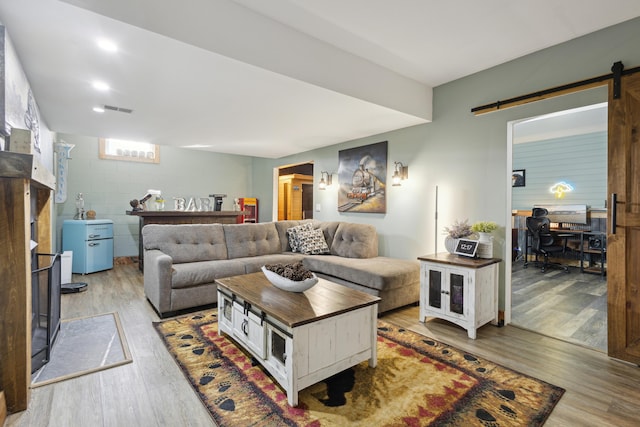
400, 174
322, 185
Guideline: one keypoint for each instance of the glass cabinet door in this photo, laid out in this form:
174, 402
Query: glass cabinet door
435, 288
278, 347
456, 293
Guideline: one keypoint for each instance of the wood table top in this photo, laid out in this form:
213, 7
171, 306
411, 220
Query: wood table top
459, 260
325, 299
154, 214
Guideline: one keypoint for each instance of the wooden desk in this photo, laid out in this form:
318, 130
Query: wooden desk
597, 247
559, 233
182, 217
596, 221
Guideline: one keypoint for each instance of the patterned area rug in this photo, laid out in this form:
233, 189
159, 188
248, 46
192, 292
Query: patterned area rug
418, 382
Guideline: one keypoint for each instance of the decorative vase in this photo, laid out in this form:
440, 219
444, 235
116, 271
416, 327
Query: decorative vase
159, 204
485, 245
450, 244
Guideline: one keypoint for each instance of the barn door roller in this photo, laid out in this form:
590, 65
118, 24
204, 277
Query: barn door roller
617, 78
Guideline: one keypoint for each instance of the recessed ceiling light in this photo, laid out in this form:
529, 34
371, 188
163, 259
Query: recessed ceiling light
98, 109
107, 45
101, 86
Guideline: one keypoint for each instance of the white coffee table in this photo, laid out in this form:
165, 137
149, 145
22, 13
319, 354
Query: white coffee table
300, 338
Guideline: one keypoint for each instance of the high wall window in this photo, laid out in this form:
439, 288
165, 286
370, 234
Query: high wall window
131, 151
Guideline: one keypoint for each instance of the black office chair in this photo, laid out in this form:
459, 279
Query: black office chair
542, 242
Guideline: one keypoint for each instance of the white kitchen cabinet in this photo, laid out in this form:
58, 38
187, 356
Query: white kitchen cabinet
461, 290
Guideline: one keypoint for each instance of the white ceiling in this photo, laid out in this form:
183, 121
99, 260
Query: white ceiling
577, 121
272, 78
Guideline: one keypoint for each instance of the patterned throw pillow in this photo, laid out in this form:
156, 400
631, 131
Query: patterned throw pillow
292, 234
311, 242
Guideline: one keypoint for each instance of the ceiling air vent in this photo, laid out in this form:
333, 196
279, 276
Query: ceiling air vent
120, 109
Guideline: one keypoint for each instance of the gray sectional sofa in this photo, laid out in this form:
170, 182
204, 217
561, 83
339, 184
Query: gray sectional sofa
181, 262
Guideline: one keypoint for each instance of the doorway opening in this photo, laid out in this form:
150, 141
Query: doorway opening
295, 192
567, 147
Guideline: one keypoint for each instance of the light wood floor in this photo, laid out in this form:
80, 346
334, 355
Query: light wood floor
152, 391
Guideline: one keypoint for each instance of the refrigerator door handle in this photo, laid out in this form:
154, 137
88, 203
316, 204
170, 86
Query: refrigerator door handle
93, 244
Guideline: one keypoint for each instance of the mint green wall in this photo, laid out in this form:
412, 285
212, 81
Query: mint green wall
579, 160
108, 185
466, 155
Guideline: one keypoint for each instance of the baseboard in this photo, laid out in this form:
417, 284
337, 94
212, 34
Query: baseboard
3, 408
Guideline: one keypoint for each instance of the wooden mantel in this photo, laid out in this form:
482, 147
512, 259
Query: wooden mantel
25, 166
21, 177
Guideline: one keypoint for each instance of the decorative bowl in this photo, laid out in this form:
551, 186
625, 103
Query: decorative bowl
288, 284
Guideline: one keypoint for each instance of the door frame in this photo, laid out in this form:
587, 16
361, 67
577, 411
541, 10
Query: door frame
274, 195
276, 183
509, 218
508, 221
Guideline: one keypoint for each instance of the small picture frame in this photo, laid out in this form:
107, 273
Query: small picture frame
518, 178
466, 247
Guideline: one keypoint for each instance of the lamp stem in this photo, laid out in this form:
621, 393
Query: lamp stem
436, 222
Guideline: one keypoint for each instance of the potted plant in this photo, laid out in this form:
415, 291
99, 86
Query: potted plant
458, 230
484, 228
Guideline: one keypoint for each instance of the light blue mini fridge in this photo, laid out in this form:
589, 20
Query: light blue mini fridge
91, 242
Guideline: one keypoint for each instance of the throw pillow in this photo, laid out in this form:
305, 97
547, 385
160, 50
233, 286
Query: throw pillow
311, 242
292, 234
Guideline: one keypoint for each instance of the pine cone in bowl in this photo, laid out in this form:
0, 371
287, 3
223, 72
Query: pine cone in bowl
290, 277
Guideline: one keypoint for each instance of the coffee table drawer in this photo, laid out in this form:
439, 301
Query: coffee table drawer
279, 347
249, 329
225, 313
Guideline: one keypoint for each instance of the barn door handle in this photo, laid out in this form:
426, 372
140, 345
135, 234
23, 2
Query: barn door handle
614, 212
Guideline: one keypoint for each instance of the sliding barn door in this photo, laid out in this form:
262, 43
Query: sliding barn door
623, 231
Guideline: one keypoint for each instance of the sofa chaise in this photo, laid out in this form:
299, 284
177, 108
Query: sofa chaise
182, 262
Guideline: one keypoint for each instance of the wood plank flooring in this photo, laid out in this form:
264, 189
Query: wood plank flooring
152, 391
571, 307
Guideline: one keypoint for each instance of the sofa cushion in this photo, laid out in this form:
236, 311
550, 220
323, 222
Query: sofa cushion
282, 227
186, 242
190, 274
328, 228
245, 240
294, 233
355, 241
379, 273
311, 242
